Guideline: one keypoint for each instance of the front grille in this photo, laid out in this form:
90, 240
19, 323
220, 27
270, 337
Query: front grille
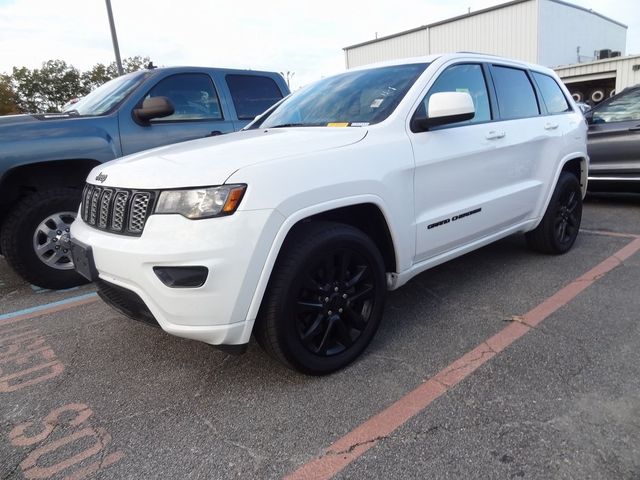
126, 302
117, 210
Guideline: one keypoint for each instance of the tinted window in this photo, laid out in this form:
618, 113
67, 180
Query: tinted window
552, 95
355, 98
462, 78
623, 108
516, 98
193, 97
252, 94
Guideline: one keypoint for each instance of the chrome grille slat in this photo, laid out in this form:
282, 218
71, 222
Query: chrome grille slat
116, 210
138, 213
105, 203
119, 208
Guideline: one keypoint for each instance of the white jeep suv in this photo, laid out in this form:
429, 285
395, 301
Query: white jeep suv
295, 228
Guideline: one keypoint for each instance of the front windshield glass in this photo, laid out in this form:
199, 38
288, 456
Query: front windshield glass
106, 96
356, 99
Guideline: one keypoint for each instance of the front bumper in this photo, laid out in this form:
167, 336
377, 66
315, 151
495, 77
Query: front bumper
233, 248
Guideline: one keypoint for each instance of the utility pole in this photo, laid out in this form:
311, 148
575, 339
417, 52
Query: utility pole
114, 38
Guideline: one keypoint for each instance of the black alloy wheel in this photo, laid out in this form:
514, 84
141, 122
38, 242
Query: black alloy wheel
325, 298
335, 302
560, 225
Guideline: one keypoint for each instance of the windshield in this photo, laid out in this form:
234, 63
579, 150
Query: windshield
106, 96
356, 99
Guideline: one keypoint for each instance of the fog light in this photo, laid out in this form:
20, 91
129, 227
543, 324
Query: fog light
182, 277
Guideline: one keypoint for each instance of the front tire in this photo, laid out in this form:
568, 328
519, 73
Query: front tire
560, 225
325, 298
34, 238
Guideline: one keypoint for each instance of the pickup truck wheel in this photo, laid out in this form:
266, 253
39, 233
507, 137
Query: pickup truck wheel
35, 238
325, 298
559, 227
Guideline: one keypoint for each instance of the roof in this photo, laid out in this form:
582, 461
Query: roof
474, 13
594, 62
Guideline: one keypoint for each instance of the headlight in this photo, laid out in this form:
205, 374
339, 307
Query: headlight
203, 202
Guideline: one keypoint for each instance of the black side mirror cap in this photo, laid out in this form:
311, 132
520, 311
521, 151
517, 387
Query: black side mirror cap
424, 124
154, 107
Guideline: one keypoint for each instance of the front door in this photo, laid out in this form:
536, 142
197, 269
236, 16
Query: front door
472, 178
198, 114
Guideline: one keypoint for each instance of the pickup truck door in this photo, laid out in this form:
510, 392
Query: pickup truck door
199, 112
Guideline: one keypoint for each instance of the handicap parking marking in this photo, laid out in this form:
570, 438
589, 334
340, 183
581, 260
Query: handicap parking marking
46, 308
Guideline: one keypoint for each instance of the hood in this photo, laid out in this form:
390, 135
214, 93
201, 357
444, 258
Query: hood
210, 161
30, 126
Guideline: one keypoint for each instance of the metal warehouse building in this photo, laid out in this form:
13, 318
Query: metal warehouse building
547, 32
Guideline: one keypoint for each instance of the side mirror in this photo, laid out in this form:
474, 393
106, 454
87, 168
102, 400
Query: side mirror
445, 108
154, 107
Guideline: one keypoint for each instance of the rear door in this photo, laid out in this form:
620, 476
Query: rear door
199, 112
614, 136
249, 95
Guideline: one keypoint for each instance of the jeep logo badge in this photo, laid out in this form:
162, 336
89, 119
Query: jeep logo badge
101, 177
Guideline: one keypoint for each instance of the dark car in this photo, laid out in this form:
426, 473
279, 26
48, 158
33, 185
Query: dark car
614, 142
45, 158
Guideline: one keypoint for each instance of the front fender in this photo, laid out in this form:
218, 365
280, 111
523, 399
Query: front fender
285, 228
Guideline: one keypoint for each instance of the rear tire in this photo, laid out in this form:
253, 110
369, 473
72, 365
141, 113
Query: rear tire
560, 225
33, 224
325, 298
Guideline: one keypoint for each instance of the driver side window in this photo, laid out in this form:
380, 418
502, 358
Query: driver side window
467, 78
192, 95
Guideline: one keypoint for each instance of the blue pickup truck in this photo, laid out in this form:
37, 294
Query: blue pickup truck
45, 158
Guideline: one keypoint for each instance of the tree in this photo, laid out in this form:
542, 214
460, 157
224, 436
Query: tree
7, 96
48, 88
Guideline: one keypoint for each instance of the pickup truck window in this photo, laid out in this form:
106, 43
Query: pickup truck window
623, 108
193, 97
104, 98
516, 98
356, 98
252, 94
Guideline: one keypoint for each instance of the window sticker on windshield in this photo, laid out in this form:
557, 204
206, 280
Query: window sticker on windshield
462, 90
377, 102
360, 124
338, 124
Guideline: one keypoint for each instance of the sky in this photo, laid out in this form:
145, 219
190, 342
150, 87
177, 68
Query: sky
305, 37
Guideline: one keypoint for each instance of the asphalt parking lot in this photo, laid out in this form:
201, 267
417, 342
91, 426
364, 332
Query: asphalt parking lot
501, 364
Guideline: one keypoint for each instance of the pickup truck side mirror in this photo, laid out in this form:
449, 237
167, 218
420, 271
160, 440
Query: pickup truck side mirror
153, 107
445, 108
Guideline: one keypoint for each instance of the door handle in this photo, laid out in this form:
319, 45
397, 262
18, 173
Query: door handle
635, 129
214, 133
494, 135
550, 126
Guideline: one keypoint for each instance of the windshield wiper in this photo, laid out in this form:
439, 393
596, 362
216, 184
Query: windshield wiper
73, 112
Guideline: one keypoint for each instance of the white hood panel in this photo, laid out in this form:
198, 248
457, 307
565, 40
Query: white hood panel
210, 161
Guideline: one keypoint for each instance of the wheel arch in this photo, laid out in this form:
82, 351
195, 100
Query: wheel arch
342, 211
576, 163
28, 178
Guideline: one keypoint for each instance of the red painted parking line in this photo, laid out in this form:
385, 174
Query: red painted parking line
607, 233
365, 436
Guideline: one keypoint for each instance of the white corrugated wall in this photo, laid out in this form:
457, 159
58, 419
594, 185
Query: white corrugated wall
412, 44
509, 31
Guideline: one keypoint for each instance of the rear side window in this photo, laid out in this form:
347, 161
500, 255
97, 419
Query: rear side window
516, 98
552, 95
462, 78
192, 95
252, 94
